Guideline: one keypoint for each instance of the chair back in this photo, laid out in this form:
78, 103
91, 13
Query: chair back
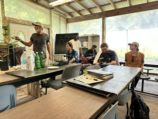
110, 113
7, 97
71, 71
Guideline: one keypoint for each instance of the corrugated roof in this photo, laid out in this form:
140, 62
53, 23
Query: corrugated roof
77, 8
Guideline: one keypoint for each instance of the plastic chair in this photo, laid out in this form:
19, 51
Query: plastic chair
123, 99
110, 113
7, 97
69, 72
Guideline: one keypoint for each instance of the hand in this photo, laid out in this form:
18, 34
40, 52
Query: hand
17, 38
49, 57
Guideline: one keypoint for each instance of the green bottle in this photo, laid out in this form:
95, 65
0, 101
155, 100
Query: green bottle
42, 59
37, 61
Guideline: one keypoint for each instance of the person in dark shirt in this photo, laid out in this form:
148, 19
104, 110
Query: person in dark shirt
39, 40
72, 55
107, 56
90, 54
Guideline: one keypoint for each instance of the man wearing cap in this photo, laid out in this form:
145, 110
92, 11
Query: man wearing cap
134, 58
40, 40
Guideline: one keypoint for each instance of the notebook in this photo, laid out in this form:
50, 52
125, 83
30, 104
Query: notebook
99, 72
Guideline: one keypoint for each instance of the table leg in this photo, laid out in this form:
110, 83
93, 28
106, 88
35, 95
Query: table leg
34, 89
142, 90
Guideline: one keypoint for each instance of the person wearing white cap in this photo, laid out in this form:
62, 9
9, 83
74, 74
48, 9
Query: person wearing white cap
134, 58
39, 40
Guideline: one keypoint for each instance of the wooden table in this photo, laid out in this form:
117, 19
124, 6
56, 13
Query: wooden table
66, 103
122, 77
37, 75
33, 79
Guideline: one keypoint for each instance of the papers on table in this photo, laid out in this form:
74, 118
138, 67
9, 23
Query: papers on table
88, 79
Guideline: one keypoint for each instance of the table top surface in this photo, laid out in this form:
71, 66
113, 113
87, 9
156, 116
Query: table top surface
122, 76
23, 74
66, 103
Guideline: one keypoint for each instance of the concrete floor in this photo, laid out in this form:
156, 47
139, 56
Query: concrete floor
150, 100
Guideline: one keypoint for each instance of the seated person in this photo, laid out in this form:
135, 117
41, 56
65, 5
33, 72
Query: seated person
134, 58
72, 55
90, 54
106, 56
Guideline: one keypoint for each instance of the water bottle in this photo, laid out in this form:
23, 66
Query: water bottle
30, 61
23, 60
42, 59
37, 61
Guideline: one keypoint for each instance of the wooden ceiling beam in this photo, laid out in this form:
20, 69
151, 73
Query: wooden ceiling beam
35, 2
120, 11
60, 9
82, 5
69, 6
101, 9
112, 4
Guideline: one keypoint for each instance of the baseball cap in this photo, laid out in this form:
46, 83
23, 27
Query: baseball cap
134, 43
37, 24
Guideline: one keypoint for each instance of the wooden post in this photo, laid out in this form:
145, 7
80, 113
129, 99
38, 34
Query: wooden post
103, 29
5, 24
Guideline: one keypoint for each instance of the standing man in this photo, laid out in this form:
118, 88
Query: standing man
40, 40
77, 46
134, 58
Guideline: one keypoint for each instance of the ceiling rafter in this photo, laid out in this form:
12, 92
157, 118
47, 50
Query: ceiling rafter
37, 3
119, 11
82, 5
101, 9
78, 12
66, 13
112, 4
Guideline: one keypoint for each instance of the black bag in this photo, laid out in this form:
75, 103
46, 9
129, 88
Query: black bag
138, 108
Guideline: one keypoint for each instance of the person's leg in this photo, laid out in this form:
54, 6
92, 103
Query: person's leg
135, 81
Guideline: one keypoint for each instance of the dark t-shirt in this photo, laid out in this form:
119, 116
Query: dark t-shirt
91, 53
40, 42
107, 57
72, 55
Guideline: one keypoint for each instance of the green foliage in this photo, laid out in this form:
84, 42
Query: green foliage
22, 9
141, 20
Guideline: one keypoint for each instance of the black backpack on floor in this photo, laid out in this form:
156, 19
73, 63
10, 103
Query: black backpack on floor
138, 108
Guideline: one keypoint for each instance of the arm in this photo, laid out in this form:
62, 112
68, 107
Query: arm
113, 59
126, 59
75, 58
48, 48
80, 49
81, 52
97, 58
72, 60
23, 42
142, 61
113, 62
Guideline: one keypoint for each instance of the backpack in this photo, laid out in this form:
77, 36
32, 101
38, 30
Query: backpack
138, 108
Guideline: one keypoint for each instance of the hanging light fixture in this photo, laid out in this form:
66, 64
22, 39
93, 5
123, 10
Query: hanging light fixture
58, 2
